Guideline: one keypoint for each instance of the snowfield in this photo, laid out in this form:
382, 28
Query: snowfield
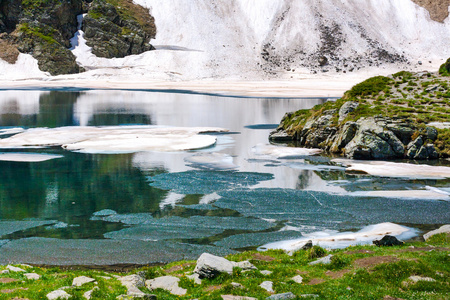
206, 46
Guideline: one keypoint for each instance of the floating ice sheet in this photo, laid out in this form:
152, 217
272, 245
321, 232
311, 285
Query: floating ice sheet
256, 239
115, 139
344, 239
27, 157
3, 242
206, 182
331, 211
10, 131
392, 169
406, 194
212, 161
129, 219
187, 228
283, 152
100, 252
8, 227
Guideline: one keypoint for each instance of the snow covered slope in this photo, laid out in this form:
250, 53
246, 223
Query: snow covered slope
257, 39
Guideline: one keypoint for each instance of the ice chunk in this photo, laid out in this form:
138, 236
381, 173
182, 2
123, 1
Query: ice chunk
129, 219
101, 252
115, 139
345, 239
283, 152
212, 161
10, 131
8, 227
27, 157
406, 194
104, 213
393, 169
188, 228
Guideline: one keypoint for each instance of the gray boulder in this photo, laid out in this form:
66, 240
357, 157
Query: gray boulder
209, 266
58, 294
168, 283
282, 296
442, 229
324, 260
347, 108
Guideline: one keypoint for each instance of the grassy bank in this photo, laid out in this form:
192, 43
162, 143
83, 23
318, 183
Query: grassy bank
360, 272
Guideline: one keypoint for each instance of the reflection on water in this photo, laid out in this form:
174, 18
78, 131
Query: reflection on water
222, 197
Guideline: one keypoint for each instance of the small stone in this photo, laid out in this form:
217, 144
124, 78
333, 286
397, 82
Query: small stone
88, 294
388, 240
168, 283
266, 272
324, 260
58, 294
32, 276
268, 286
132, 283
245, 265
8, 280
237, 285
283, 296
81, 280
14, 269
232, 297
298, 279
195, 277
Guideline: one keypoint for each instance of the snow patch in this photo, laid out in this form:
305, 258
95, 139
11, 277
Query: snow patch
283, 152
334, 239
27, 157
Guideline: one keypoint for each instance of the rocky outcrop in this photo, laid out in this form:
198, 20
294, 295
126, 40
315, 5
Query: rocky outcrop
111, 32
367, 138
44, 29
438, 9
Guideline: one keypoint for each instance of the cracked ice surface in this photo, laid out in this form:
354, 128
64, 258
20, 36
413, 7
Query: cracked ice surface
115, 139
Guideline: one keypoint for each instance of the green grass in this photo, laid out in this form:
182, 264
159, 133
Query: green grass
356, 280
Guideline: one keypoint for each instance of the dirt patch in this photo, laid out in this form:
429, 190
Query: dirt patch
7, 280
438, 9
368, 262
213, 288
8, 52
177, 268
337, 274
315, 281
261, 257
9, 291
362, 251
425, 249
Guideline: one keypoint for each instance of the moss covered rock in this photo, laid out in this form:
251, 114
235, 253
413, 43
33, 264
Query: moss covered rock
444, 70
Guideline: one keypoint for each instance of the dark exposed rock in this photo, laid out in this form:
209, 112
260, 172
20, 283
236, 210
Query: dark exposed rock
388, 240
112, 34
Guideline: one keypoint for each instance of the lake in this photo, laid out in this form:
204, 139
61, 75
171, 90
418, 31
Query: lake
62, 207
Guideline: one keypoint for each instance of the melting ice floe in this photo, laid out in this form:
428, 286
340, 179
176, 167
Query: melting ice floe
9, 131
428, 194
115, 139
335, 240
27, 157
392, 169
212, 161
283, 152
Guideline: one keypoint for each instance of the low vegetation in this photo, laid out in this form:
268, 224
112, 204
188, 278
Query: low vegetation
360, 272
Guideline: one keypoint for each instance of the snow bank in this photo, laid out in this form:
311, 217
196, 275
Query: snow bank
334, 239
27, 157
407, 194
213, 161
283, 152
114, 139
392, 169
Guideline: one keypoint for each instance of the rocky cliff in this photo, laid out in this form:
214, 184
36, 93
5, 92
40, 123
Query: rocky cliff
43, 28
405, 115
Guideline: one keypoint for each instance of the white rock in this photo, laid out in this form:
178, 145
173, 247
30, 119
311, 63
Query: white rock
266, 272
32, 276
132, 283
14, 269
232, 297
442, 229
245, 265
267, 285
4, 272
58, 294
88, 294
237, 285
416, 279
298, 279
79, 281
209, 266
324, 260
195, 277
168, 283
